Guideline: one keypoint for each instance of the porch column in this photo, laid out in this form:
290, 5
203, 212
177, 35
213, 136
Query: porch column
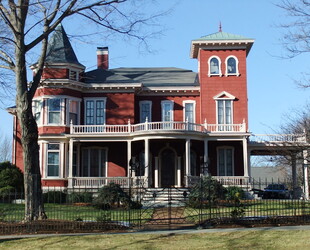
147, 161
187, 160
245, 158
128, 157
156, 172
294, 174
306, 175
70, 153
206, 157
179, 179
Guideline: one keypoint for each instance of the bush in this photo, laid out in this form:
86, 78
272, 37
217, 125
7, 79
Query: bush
58, 197
80, 197
11, 178
113, 196
207, 192
235, 193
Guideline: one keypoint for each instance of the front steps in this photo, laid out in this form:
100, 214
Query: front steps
164, 197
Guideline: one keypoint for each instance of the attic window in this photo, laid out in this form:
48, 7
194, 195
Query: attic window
73, 75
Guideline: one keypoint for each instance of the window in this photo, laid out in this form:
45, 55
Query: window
73, 75
232, 66
54, 108
53, 160
224, 112
94, 162
36, 110
95, 112
214, 66
145, 111
189, 113
73, 112
225, 162
167, 113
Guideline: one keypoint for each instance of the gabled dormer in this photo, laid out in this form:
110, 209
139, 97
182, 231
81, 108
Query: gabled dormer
61, 61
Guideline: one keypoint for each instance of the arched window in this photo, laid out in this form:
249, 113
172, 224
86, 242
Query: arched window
232, 66
214, 66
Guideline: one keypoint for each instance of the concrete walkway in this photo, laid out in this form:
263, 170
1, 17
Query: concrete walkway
171, 232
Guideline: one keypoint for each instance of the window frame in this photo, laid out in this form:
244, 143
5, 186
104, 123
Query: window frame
141, 103
226, 148
237, 66
37, 109
103, 150
171, 103
219, 66
61, 107
69, 101
194, 110
58, 151
104, 99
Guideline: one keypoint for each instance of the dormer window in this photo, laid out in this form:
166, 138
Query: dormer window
73, 75
232, 66
215, 66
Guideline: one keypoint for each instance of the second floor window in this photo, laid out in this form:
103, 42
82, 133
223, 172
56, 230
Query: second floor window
54, 108
36, 108
224, 112
73, 112
95, 112
145, 111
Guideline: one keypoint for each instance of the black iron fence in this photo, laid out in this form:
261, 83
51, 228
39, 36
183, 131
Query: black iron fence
208, 203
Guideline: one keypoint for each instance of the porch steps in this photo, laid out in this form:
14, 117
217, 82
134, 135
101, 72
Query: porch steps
164, 197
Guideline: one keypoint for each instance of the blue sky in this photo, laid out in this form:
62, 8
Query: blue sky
271, 89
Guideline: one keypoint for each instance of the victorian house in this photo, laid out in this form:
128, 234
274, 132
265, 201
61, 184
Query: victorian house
161, 126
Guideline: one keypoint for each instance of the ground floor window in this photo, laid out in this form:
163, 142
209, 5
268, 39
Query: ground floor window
225, 162
94, 161
53, 160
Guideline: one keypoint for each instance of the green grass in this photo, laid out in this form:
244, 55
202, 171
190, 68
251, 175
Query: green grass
268, 239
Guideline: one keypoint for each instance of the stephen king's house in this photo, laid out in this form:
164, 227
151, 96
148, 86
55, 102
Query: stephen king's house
96, 126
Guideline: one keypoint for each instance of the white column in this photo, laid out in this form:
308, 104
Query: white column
70, 154
206, 155
156, 172
147, 160
187, 160
245, 158
306, 175
179, 178
128, 157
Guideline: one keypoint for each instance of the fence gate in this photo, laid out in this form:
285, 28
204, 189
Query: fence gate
166, 208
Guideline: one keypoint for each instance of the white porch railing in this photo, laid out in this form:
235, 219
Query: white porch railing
225, 180
156, 126
273, 138
97, 182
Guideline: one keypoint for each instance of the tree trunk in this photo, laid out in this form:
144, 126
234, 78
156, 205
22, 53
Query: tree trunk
34, 206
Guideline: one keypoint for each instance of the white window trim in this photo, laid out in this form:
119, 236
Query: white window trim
237, 66
61, 157
194, 110
68, 110
88, 162
218, 160
232, 109
40, 122
95, 99
172, 109
140, 108
62, 111
209, 66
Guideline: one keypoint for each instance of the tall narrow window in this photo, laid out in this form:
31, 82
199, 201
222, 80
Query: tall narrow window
94, 162
53, 160
95, 112
73, 75
36, 109
225, 162
224, 113
167, 113
73, 112
54, 111
232, 66
214, 66
145, 111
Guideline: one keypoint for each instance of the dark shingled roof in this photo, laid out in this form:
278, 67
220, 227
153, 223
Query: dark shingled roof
59, 49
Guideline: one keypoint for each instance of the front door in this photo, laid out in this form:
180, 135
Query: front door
168, 163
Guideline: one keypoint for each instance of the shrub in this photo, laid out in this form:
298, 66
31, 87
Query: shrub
11, 178
207, 192
113, 196
235, 193
77, 197
58, 197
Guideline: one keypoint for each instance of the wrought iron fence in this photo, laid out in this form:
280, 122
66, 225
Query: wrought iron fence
207, 203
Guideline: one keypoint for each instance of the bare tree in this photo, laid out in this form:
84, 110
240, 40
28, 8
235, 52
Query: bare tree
296, 38
5, 149
28, 24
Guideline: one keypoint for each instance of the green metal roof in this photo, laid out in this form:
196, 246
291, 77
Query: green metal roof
221, 36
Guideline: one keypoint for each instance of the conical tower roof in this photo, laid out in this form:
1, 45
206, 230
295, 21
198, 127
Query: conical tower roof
59, 49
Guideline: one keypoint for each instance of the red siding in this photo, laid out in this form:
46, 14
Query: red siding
50, 73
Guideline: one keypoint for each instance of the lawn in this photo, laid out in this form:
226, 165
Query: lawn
262, 239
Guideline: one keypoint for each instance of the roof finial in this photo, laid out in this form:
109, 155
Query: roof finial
220, 27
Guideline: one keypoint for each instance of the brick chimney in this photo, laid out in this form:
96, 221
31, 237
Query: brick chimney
103, 57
